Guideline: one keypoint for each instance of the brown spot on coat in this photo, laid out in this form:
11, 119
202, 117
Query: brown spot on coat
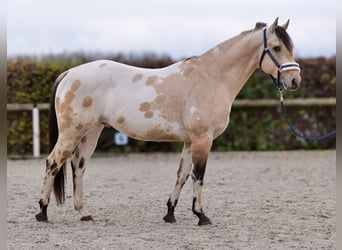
145, 106
102, 65
75, 85
148, 114
87, 101
69, 97
65, 156
79, 126
137, 77
65, 123
151, 80
159, 99
121, 120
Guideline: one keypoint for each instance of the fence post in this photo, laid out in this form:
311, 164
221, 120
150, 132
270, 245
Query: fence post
36, 132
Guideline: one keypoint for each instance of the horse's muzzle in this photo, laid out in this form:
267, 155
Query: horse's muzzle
291, 80
295, 84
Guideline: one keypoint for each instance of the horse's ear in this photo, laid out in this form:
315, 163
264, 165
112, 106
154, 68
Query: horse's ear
274, 25
286, 25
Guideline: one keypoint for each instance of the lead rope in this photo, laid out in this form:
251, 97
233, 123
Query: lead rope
315, 138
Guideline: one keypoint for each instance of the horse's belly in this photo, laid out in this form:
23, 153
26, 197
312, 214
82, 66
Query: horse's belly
151, 131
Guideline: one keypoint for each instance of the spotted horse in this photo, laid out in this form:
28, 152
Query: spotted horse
188, 101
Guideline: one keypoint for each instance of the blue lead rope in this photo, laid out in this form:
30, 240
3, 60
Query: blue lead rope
316, 138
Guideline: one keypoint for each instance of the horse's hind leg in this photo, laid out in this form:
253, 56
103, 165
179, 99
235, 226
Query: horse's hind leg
200, 148
182, 176
81, 155
54, 163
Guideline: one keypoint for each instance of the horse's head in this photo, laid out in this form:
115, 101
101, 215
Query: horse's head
276, 56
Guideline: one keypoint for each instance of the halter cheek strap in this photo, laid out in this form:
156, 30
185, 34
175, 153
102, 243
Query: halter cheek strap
280, 68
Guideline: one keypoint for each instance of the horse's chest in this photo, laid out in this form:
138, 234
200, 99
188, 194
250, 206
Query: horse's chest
221, 123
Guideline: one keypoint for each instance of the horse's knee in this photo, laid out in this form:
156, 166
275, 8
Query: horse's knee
200, 148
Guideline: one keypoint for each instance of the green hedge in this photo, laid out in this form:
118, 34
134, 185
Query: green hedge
30, 81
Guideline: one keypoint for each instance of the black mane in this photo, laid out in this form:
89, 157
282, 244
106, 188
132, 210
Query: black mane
260, 25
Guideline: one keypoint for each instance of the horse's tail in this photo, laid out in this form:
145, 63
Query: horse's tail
59, 181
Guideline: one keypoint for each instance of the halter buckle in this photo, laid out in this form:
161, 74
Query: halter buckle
281, 95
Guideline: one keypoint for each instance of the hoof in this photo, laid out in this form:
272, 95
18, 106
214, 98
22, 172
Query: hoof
41, 217
204, 220
169, 218
87, 218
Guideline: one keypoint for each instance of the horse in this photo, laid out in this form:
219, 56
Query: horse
189, 101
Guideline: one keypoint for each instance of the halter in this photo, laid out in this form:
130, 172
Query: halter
280, 68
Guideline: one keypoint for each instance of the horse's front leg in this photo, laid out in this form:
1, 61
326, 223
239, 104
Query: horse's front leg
81, 156
182, 176
200, 148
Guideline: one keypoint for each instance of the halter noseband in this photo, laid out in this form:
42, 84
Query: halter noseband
280, 68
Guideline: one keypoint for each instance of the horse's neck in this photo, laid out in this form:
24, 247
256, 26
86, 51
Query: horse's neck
235, 60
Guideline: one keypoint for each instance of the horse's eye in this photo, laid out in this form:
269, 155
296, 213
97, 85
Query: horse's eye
277, 49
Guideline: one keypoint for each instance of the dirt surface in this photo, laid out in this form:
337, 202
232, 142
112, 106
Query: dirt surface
264, 200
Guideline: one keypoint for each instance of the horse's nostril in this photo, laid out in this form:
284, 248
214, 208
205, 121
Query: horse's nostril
294, 83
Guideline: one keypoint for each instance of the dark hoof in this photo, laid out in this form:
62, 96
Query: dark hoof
204, 220
170, 218
41, 217
87, 218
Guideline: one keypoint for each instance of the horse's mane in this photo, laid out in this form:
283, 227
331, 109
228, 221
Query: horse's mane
258, 26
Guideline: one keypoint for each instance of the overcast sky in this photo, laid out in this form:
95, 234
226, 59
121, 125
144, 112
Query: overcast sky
179, 28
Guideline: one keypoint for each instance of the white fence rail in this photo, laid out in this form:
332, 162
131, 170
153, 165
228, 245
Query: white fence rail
35, 108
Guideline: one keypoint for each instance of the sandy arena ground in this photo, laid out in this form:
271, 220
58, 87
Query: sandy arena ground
256, 200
